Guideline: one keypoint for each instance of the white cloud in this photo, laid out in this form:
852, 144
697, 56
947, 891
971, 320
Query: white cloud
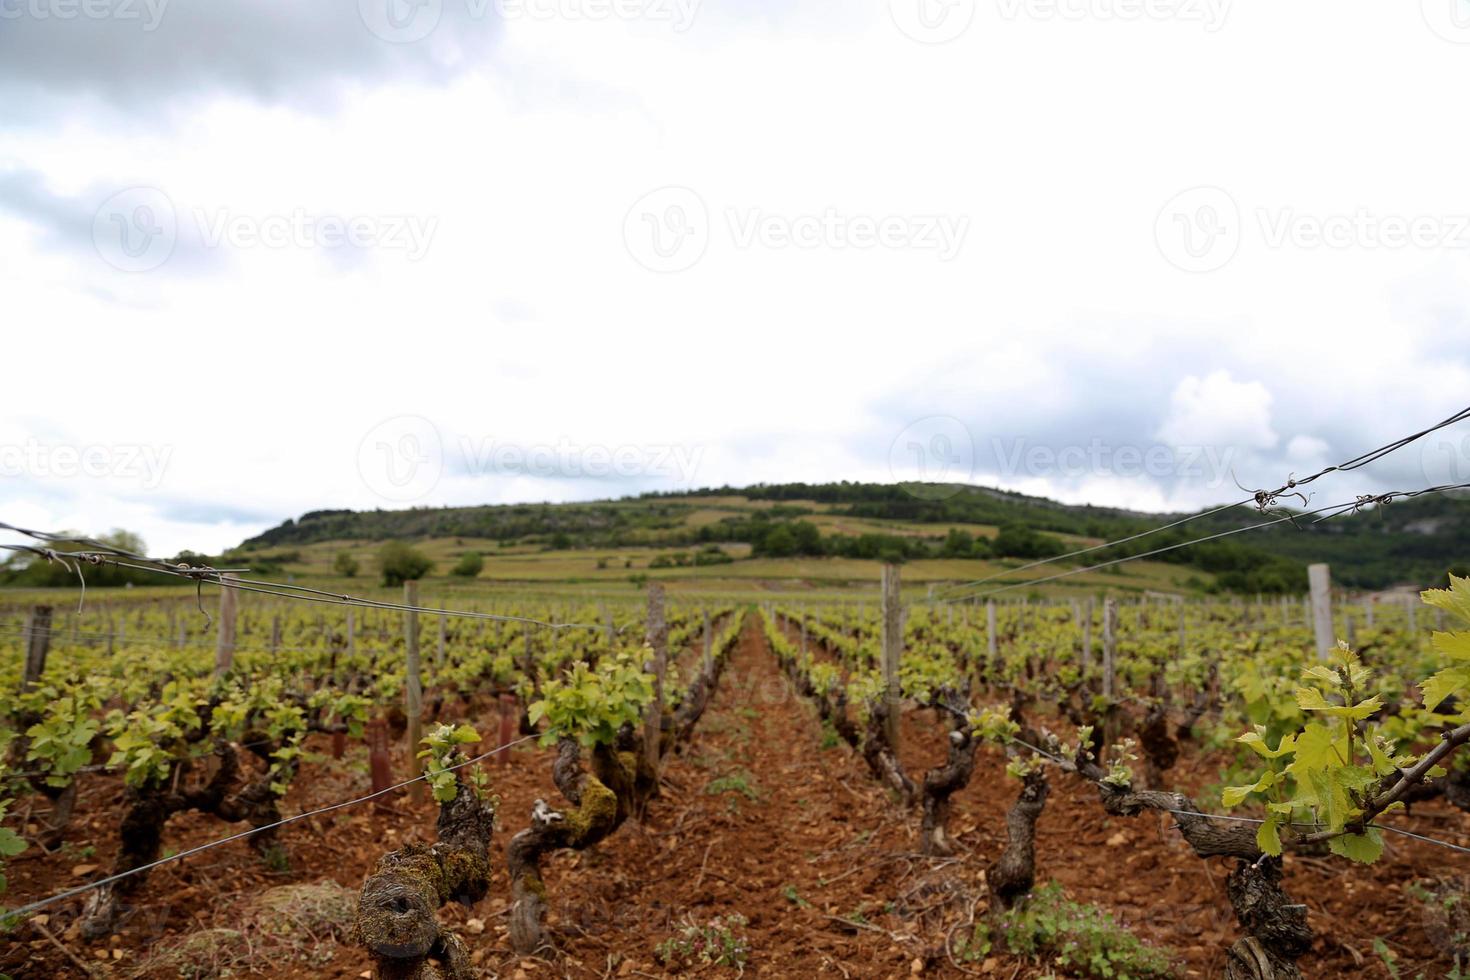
1217, 410
528, 321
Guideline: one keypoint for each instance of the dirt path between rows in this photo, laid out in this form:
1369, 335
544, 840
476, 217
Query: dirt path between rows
759, 820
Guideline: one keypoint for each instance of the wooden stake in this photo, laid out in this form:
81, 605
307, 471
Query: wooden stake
658, 637
224, 645
1110, 645
892, 651
413, 693
38, 644
1320, 578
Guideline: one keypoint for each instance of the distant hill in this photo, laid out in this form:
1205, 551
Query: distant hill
1411, 542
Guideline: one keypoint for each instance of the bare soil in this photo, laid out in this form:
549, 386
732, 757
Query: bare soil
758, 818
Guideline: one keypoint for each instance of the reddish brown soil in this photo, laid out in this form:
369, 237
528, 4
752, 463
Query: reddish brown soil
819, 861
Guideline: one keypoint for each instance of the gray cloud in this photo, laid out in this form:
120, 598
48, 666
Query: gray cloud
138, 56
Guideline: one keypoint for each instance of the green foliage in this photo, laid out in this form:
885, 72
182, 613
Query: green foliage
345, 565
441, 753
736, 782
399, 563
1082, 939
470, 565
1325, 774
718, 943
592, 704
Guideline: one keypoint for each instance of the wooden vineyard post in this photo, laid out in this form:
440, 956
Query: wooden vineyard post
38, 644
1368, 613
413, 689
224, 646
709, 640
992, 646
892, 650
1183, 629
510, 713
608, 628
803, 634
351, 635
1087, 637
1110, 644
658, 638
1320, 578
439, 651
275, 633
379, 761
1413, 608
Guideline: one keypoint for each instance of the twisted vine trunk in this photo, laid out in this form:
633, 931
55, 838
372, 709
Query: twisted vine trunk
1278, 931
881, 759
147, 811
396, 912
600, 809
942, 782
1014, 872
1160, 748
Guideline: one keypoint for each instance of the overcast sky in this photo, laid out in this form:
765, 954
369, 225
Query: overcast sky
262, 257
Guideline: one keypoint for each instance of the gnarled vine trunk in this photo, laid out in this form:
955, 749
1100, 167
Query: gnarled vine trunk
942, 782
396, 912
1014, 872
599, 810
886, 767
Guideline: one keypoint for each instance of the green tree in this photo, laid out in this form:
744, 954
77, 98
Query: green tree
470, 565
344, 564
401, 563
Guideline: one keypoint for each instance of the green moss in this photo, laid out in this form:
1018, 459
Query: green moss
597, 814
